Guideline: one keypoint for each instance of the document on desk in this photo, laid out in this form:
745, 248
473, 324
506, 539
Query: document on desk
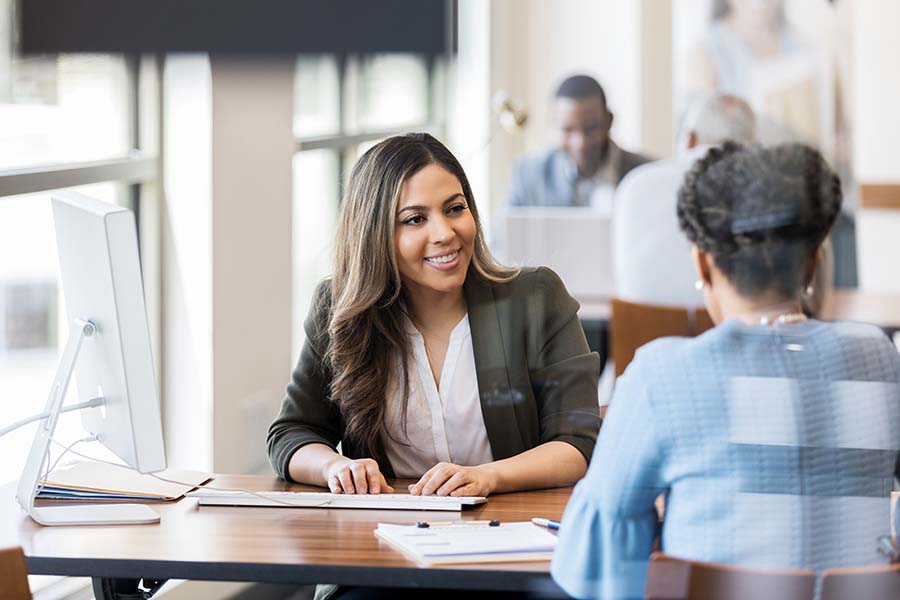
90, 480
462, 543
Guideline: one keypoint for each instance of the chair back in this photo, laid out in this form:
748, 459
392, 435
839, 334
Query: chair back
675, 579
870, 583
632, 325
13, 575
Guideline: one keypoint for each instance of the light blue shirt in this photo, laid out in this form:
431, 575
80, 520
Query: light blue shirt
773, 446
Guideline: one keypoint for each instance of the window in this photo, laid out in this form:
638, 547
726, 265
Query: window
73, 122
28, 314
343, 105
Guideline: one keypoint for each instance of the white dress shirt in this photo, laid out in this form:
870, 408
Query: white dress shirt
443, 423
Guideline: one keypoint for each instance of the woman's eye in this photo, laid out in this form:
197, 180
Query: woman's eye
414, 220
457, 208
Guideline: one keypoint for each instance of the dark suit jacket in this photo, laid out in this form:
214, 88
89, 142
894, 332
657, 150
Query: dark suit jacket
548, 179
536, 376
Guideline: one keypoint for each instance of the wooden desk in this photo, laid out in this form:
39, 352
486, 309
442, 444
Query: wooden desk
855, 305
272, 545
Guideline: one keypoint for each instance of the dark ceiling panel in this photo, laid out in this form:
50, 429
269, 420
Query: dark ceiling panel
235, 26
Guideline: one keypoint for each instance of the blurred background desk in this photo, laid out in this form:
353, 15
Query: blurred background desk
271, 545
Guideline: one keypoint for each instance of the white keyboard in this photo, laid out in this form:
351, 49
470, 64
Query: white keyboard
329, 500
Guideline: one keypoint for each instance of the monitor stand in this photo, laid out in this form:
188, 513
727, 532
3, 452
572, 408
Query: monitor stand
96, 514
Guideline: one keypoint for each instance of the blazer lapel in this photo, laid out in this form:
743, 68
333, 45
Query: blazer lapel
492, 369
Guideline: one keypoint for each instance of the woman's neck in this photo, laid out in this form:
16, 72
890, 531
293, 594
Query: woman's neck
764, 41
763, 308
435, 311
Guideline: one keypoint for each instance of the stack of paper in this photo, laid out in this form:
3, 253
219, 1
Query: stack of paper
469, 543
91, 480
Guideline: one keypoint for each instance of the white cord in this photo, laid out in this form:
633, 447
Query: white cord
87, 404
252, 493
186, 484
49, 469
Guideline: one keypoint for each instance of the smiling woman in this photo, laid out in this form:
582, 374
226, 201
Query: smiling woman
426, 359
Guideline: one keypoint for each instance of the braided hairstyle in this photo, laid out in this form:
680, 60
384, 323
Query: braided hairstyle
762, 213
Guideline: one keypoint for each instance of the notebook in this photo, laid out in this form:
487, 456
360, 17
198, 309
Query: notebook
470, 543
90, 480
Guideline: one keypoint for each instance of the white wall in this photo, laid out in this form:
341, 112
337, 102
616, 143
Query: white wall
876, 120
226, 257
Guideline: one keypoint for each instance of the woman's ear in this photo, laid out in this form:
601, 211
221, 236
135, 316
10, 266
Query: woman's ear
812, 265
700, 264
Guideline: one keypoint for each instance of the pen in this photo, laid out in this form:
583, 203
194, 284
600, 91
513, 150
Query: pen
546, 523
427, 524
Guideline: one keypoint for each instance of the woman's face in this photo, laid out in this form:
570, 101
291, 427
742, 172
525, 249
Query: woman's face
434, 232
762, 14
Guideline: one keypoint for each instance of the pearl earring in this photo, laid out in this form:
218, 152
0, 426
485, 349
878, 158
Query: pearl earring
699, 285
810, 290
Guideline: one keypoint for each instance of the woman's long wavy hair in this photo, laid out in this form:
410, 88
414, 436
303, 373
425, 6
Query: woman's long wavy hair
367, 338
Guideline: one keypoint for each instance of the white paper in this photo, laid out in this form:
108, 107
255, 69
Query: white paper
461, 539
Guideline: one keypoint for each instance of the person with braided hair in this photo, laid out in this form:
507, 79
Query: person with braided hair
774, 438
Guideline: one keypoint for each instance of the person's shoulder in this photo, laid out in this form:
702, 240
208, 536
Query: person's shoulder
533, 279
855, 329
666, 352
536, 163
321, 298
319, 315
652, 172
865, 341
532, 288
633, 160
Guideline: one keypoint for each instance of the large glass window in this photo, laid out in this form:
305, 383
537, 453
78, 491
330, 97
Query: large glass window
63, 109
68, 122
343, 106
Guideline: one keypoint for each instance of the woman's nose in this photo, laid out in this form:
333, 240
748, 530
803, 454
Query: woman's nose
440, 231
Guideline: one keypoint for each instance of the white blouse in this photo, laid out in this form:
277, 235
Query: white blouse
443, 423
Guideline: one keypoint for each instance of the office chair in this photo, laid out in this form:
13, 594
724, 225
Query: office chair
13, 575
671, 578
632, 325
866, 583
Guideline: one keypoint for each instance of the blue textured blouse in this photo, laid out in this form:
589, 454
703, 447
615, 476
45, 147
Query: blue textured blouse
772, 446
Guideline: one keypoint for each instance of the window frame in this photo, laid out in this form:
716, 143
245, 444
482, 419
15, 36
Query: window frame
344, 142
139, 172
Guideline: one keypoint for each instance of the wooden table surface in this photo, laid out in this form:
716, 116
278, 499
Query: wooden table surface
277, 545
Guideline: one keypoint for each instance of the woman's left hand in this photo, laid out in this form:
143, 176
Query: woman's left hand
447, 479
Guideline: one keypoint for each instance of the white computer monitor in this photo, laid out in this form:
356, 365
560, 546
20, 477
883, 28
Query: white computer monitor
574, 242
109, 352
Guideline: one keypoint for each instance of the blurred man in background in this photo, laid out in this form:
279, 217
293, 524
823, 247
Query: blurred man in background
587, 166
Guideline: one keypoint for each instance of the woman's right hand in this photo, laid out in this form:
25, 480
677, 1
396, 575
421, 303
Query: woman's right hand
360, 476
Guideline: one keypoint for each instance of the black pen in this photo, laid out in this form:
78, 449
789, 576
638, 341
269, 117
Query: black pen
549, 524
427, 524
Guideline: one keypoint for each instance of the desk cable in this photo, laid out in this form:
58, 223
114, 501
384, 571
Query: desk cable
86, 404
68, 449
94, 402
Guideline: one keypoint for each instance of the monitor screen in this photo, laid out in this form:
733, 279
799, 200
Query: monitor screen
101, 277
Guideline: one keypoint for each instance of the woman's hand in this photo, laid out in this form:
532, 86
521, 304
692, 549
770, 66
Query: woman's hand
447, 479
361, 476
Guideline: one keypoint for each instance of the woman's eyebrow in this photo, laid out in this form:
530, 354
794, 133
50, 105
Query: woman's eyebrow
425, 208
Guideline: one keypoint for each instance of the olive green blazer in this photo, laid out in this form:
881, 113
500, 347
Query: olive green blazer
537, 378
